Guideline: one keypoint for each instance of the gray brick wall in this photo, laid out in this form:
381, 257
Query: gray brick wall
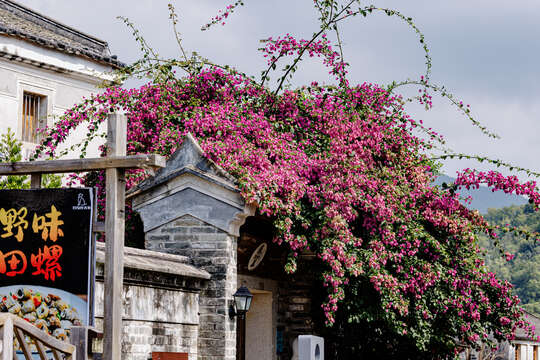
295, 309
141, 338
160, 311
193, 208
214, 251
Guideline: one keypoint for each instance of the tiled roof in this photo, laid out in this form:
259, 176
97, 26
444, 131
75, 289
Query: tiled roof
19, 21
533, 320
154, 261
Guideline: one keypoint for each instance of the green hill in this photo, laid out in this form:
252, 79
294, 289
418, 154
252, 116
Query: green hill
524, 270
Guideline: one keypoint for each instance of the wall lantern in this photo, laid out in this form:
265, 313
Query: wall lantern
242, 302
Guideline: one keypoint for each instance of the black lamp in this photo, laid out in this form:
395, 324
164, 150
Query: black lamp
242, 301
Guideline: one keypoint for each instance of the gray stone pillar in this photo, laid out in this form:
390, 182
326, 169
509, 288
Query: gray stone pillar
193, 208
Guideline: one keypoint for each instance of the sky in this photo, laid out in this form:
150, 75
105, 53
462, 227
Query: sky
486, 53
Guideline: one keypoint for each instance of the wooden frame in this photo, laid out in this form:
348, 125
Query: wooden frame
81, 165
115, 164
11, 325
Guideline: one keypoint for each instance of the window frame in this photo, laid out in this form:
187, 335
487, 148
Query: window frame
33, 116
44, 118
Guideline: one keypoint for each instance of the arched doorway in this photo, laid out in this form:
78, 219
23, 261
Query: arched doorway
259, 267
259, 327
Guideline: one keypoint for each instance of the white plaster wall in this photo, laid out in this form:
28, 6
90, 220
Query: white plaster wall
84, 67
261, 324
259, 330
8, 113
63, 89
144, 303
8, 85
526, 350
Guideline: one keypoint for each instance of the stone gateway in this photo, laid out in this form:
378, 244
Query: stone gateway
199, 238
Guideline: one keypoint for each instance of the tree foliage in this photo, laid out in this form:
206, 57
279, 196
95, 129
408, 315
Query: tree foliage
11, 151
522, 270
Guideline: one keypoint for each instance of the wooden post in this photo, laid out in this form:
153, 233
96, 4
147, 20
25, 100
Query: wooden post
114, 238
7, 340
35, 181
79, 338
114, 164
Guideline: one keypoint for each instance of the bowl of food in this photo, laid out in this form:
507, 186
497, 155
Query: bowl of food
52, 310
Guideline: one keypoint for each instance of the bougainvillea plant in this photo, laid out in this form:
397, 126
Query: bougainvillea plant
341, 170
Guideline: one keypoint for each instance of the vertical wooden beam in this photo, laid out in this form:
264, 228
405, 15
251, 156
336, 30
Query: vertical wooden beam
35, 181
22, 343
41, 350
114, 239
79, 337
7, 340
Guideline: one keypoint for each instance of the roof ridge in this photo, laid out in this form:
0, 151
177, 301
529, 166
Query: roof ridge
19, 21
52, 21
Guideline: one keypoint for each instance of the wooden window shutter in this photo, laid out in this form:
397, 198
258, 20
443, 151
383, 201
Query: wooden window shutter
34, 114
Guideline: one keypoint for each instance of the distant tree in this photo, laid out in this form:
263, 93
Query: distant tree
523, 270
11, 151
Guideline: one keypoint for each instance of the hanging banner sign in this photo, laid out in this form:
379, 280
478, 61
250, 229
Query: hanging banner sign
45, 257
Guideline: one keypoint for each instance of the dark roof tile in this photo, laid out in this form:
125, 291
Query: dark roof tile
17, 20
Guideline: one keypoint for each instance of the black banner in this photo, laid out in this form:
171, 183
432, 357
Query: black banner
45, 246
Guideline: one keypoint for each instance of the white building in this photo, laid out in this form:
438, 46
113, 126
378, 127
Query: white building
523, 348
45, 68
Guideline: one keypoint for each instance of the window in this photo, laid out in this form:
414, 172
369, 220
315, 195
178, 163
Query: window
34, 116
535, 352
518, 352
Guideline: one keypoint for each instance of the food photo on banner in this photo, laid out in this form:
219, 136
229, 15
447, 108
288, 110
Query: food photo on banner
46, 261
